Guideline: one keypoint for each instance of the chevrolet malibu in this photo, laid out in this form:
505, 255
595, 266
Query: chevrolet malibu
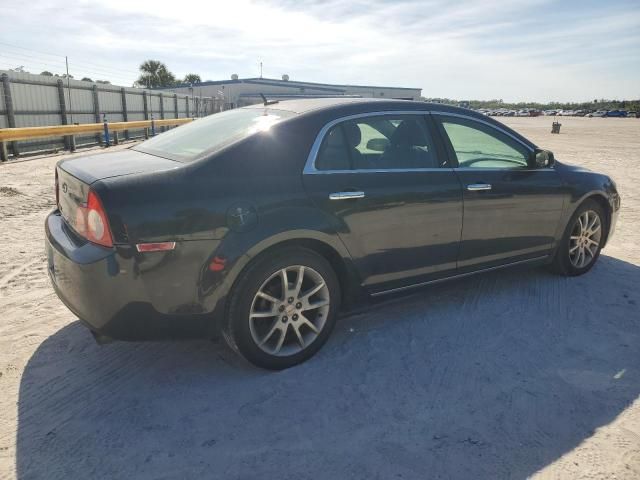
263, 223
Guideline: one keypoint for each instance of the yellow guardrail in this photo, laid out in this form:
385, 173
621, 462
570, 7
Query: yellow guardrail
28, 133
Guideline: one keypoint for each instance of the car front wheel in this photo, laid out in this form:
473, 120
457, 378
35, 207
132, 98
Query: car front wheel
283, 308
582, 241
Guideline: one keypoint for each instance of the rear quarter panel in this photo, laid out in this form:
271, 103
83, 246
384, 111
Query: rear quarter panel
198, 205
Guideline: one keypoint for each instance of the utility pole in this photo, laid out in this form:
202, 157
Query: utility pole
260, 69
66, 61
192, 103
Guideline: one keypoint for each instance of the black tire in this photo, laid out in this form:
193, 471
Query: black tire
562, 263
237, 331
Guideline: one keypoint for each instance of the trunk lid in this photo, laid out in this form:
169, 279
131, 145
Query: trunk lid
75, 176
106, 165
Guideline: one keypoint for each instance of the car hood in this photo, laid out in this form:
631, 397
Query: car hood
92, 168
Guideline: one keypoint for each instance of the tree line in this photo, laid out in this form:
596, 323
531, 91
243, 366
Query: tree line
153, 74
596, 104
47, 73
156, 74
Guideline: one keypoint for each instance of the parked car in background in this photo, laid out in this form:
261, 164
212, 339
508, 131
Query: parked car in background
616, 113
599, 113
264, 222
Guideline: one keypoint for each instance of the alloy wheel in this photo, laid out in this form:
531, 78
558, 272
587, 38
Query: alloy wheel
289, 310
585, 239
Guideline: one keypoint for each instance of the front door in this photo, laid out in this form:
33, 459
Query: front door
511, 208
395, 202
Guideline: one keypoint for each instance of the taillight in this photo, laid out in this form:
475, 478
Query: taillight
91, 221
97, 225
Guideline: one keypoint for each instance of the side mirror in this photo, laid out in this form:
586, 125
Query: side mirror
377, 144
542, 158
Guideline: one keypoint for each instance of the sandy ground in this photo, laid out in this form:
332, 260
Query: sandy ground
513, 374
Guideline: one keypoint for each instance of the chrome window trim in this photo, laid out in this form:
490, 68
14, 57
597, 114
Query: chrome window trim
379, 170
496, 169
310, 167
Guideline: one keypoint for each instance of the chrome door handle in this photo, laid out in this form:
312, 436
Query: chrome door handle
478, 187
346, 195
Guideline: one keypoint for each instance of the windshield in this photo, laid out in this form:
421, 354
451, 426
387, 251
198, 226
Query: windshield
207, 135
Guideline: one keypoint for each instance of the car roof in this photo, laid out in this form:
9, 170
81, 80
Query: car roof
306, 105
341, 106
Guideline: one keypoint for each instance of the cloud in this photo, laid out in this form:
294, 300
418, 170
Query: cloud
510, 49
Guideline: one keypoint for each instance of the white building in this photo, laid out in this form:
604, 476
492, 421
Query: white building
238, 92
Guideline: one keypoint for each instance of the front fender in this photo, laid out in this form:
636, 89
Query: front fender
583, 184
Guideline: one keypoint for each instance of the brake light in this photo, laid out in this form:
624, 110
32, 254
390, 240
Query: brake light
97, 225
91, 221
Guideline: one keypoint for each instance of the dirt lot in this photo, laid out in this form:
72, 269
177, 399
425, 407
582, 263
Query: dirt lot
508, 375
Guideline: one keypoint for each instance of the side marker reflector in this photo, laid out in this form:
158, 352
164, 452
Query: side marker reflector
217, 264
155, 247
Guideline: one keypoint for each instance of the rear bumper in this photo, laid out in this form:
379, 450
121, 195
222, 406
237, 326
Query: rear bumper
118, 293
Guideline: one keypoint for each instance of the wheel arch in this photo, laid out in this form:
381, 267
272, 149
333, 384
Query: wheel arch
336, 255
601, 199
328, 246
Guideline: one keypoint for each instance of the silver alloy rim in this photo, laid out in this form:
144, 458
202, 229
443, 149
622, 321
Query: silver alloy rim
585, 239
289, 310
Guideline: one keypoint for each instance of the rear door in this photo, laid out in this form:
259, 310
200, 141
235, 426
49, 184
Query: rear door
394, 200
511, 209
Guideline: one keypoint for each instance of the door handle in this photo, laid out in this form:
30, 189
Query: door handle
478, 187
346, 195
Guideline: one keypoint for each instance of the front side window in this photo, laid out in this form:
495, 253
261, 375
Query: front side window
480, 146
383, 142
209, 134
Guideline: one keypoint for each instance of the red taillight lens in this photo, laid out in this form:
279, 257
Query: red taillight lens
96, 225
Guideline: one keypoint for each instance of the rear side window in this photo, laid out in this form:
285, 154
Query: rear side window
383, 142
209, 134
334, 153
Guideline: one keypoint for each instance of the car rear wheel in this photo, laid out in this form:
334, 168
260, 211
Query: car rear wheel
582, 241
283, 308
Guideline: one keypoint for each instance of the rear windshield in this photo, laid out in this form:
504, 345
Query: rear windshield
207, 135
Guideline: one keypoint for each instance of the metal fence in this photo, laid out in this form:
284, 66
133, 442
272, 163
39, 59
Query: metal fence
28, 100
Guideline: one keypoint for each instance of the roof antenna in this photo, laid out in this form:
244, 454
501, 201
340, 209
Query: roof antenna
268, 102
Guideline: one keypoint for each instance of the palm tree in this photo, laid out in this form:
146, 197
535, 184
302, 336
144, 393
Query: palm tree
192, 78
155, 74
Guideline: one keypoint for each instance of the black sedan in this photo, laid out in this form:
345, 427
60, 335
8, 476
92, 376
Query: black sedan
264, 222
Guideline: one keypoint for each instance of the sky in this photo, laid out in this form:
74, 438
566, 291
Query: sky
515, 50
